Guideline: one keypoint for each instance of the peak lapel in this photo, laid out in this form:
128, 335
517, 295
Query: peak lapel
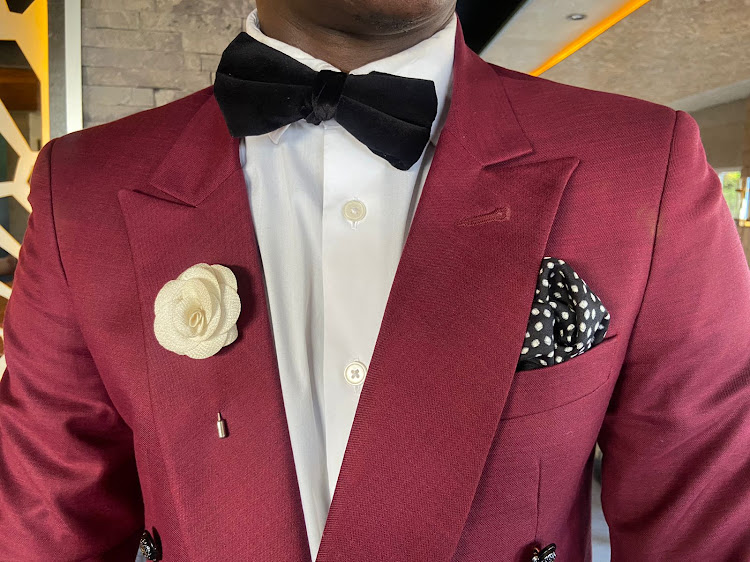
451, 334
201, 159
240, 492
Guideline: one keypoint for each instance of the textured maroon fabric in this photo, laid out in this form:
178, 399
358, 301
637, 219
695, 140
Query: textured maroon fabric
453, 456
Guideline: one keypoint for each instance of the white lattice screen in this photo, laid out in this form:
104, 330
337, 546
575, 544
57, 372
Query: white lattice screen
26, 25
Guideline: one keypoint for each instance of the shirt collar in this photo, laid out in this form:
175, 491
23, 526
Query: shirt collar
430, 59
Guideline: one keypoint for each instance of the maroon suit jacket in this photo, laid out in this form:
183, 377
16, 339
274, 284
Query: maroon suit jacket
453, 456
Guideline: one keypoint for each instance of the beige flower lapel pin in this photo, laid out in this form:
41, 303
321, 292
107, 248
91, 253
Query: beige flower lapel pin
196, 314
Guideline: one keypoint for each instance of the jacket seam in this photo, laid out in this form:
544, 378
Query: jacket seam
148, 467
657, 222
52, 212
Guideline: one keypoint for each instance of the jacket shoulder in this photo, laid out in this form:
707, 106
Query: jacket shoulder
141, 132
604, 130
564, 105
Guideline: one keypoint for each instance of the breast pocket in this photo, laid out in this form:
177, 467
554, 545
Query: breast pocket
539, 390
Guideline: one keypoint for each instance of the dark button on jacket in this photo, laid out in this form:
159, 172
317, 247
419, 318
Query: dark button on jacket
151, 545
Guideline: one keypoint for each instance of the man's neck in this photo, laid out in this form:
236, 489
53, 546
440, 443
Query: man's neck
346, 51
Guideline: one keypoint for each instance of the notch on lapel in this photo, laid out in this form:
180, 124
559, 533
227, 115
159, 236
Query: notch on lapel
238, 493
451, 334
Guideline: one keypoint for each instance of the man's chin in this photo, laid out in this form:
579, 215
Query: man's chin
382, 17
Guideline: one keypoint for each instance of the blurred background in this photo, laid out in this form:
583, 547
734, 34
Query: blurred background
66, 65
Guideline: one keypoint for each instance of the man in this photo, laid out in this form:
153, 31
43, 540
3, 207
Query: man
208, 291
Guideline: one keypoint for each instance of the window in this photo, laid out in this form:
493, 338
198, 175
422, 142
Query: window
737, 198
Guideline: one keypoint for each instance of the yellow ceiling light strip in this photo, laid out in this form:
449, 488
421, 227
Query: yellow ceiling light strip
591, 34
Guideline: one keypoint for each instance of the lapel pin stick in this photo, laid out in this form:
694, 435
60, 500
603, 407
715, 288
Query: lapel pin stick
221, 426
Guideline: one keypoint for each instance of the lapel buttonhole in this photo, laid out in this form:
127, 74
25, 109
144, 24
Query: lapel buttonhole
496, 214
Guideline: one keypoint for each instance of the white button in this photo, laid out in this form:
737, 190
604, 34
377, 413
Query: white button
355, 372
354, 210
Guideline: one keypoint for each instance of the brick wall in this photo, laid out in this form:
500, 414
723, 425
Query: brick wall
145, 53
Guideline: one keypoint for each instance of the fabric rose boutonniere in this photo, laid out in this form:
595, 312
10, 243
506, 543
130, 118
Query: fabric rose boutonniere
196, 313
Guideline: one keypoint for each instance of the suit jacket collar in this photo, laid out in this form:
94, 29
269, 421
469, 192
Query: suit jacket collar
442, 366
481, 115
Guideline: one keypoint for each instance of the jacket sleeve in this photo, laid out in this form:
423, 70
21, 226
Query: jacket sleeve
676, 437
68, 483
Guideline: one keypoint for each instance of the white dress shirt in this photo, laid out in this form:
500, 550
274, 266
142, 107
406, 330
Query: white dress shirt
331, 219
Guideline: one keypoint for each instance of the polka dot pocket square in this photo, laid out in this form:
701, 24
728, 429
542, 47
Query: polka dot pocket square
566, 318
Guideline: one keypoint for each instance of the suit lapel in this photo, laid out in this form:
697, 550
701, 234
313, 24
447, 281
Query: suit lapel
240, 492
451, 334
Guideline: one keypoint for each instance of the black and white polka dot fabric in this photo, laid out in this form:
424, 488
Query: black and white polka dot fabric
566, 318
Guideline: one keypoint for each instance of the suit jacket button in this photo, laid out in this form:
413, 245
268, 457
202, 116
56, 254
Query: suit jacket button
547, 554
151, 547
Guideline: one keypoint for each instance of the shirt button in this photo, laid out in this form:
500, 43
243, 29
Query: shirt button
355, 372
354, 210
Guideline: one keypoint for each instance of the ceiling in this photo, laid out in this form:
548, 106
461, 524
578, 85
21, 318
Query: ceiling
540, 29
687, 54
480, 19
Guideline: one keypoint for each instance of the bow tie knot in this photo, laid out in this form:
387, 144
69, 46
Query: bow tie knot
325, 96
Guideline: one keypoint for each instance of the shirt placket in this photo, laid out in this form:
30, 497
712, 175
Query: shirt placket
351, 282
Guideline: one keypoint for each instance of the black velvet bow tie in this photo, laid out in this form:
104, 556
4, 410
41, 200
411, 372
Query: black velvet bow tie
260, 89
